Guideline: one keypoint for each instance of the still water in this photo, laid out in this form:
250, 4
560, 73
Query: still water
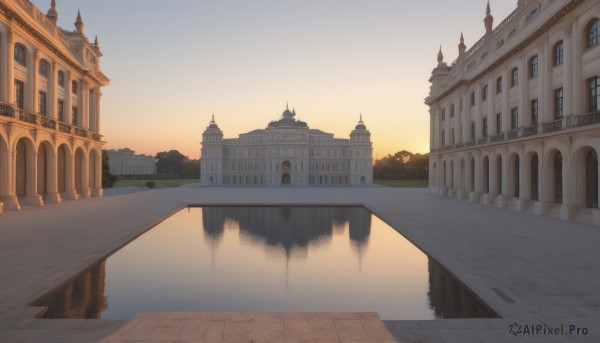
266, 259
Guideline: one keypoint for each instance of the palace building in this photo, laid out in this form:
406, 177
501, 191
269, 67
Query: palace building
515, 119
286, 153
50, 81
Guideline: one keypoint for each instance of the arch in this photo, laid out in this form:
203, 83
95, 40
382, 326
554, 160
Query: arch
60, 78
534, 177
44, 68
63, 161
74, 87
558, 53
434, 174
486, 174
45, 157
499, 174
285, 179
472, 183
20, 54
555, 176
592, 31
585, 177
24, 164
514, 175
4, 155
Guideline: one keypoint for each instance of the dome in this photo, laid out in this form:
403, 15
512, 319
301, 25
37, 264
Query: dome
360, 125
287, 113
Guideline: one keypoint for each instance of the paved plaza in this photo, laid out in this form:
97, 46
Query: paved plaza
531, 270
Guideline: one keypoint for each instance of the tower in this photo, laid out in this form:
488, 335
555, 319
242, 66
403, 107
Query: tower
211, 161
361, 155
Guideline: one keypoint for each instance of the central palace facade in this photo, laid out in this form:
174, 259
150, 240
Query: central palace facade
287, 152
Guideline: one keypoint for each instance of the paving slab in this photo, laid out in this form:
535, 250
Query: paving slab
529, 269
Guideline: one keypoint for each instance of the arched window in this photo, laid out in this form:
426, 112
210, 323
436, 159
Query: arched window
61, 78
499, 85
44, 68
514, 80
559, 52
593, 33
533, 66
21, 54
74, 87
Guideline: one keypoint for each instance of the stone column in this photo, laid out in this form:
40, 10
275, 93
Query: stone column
53, 90
98, 176
10, 68
68, 102
4, 67
31, 97
53, 196
98, 96
84, 108
524, 182
85, 177
70, 192
524, 104
578, 98
7, 178
504, 108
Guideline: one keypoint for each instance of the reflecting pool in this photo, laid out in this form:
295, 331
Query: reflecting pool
267, 259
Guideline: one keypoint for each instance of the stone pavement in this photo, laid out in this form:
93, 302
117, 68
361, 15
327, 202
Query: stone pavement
531, 270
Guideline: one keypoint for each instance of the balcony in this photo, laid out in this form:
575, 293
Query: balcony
570, 122
46, 122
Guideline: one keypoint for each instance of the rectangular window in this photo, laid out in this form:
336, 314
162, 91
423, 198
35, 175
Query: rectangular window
451, 110
485, 127
514, 80
499, 85
558, 103
498, 122
61, 110
452, 137
20, 93
472, 130
42, 103
443, 114
514, 118
534, 111
559, 49
484, 93
533, 66
472, 98
594, 94
443, 137
74, 115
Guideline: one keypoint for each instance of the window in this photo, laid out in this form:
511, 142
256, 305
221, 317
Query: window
42, 103
61, 110
61, 78
452, 137
20, 55
533, 66
451, 110
559, 52
74, 87
499, 85
514, 80
514, 118
485, 127
74, 115
443, 137
20, 93
558, 103
472, 130
443, 114
472, 98
593, 33
43, 68
484, 93
594, 94
534, 111
498, 123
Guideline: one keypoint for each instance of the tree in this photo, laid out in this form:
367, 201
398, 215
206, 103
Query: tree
403, 165
174, 165
108, 179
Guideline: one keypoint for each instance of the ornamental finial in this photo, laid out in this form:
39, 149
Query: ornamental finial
440, 57
79, 22
489, 20
52, 13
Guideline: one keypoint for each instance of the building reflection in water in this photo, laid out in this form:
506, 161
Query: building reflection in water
285, 233
81, 298
448, 299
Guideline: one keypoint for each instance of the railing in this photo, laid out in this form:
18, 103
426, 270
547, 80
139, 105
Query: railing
7, 110
553, 126
591, 118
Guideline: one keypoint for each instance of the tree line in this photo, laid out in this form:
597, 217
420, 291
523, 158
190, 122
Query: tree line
403, 165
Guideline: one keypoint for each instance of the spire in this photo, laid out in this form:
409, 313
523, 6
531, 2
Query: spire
79, 22
212, 121
360, 120
440, 57
52, 13
286, 105
461, 47
489, 20
96, 45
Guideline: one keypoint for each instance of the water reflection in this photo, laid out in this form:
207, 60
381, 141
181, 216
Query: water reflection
168, 269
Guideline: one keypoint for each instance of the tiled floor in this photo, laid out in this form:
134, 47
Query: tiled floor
253, 327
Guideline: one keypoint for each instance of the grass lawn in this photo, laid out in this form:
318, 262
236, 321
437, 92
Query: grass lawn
402, 183
159, 183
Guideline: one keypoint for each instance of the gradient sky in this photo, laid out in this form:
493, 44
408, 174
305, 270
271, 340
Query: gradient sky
174, 63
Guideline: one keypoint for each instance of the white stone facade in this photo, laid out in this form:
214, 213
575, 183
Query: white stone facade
125, 162
286, 153
515, 120
50, 80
